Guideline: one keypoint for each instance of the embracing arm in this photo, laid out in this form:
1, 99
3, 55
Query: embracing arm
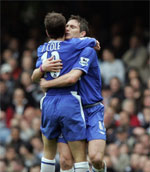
49, 65
36, 75
65, 80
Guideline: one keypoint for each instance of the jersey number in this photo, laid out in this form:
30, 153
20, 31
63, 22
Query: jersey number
56, 56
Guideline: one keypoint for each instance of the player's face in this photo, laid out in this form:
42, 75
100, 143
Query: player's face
72, 29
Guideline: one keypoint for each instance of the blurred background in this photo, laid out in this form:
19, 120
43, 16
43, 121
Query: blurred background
122, 27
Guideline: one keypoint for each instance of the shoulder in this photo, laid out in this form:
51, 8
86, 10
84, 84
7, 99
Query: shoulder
89, 50
79, 39
41, 49
73, 40
70, 42
41, 46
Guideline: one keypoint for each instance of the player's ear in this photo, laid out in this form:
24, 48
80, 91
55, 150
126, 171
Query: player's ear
82, 34
47, 33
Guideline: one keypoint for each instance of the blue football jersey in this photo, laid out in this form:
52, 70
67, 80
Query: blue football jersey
90, 83
68, 51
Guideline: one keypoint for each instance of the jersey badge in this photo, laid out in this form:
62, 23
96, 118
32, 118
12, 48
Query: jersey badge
84, 61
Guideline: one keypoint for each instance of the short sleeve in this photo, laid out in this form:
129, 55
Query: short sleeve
81, 43
85, 59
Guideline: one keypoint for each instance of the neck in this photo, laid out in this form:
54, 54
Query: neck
58, 39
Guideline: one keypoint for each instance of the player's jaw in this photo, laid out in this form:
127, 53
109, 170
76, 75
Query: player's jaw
69, 35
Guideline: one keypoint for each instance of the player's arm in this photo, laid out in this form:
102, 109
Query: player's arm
80, 67
36, 75
81, 43
65, 80
49, 65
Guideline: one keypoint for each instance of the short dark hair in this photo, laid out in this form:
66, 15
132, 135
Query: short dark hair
83, 23
55, 24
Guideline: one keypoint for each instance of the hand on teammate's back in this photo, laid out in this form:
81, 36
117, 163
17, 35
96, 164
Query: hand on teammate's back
97, 47
51, 65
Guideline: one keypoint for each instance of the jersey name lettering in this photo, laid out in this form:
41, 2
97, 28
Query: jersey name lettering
52, 46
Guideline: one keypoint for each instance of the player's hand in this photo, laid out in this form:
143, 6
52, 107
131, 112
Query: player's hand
51, 65
43, 84
97, 47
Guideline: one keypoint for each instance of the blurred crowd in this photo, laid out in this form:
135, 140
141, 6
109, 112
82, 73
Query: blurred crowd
124, 62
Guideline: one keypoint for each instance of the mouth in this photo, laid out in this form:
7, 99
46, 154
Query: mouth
67, 34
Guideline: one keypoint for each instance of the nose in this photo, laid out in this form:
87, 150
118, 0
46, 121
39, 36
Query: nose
67, 28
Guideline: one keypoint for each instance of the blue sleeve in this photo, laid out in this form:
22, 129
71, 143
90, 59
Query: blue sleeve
42, 55
81, 43
87, 56
38, 62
